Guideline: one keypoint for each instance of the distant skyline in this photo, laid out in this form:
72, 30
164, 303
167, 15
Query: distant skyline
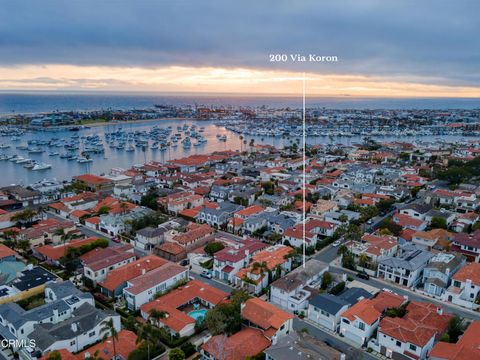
385, 49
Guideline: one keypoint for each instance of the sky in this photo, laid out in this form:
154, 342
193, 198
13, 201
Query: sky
384, 48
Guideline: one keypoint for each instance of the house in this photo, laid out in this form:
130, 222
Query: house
292, 291
359, 322
430, 239
116, 279
53, 254
179, 303
273, 260
405, 269
142, 289
228, 261
437, 274
147, 238
466, 348
416, 210
75, 333
46, 231
104, 348
413, 335
301, 346
95, 183
233, 347
295, 236
465, 287
468, 245
98, 262
61, 301
218, 217
325, 309
195, 235
7, 254
273, 322
408, 222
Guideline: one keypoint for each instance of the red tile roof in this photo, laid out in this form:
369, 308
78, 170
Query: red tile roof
466, 348
264, 315
125, 344
470, 271
421, 322
92, 179
56, 252
241, 345
154, 277
6, 252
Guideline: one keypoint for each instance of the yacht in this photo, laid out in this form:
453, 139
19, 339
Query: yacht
130, 148
53, 153
84, 160
41, 166
4, 146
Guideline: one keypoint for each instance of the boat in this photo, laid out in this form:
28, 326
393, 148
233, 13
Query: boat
4, 146
84, 160
22, 160
35, 150
41, 166
130, 148
222, 138
53, 153
29, 165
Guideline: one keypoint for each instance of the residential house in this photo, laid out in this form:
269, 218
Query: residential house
143, 288
405, 269
466, 348
437, 274
218, 217
116, 280
100, 261
413, 335
465, 287
359, 322
468, 245
293, 290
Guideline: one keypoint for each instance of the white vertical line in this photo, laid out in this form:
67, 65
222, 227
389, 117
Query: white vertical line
304, 172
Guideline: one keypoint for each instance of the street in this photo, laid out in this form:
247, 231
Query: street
352, 352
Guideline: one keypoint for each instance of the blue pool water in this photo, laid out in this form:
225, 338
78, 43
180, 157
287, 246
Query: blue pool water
198, 315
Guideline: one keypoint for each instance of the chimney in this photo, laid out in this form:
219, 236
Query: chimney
144, 271
447, 271
439, 310
74, 327
87, 355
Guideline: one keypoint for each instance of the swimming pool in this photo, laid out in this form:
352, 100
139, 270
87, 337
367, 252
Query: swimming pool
198, 315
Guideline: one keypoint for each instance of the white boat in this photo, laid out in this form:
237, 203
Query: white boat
4, 146
41, 166
83, 160
22, 160
130, 148
53, 153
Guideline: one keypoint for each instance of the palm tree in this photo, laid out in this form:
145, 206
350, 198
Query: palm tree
342, 249
145, 333
362, 259
123, 207
107, 329
156, 315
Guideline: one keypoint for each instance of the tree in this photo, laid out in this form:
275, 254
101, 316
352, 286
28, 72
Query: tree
157, 315
343, 218
213, 247
455, 329
362, 259
326, 280
54, 355
176, 354
124, 207
394, 229
104, 209
26, 216
438, 223
385, 204
150, 199
145, 333
108, 329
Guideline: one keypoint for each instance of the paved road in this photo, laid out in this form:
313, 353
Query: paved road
351, 352
327, 254
411, 295
213, 282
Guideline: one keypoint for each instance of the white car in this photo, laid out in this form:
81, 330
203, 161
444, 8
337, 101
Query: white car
336, 243
206, 274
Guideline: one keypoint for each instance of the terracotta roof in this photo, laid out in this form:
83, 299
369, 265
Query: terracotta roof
251, 210
118, 276
405, 220
369, 310
194, 232
195, 289
470, 271
56, 252
6, 252
191, 213
125, 344
171, 248
92, 179
421, 322
466, 348
101, 258
263, 314
234, 347
154, 277
272, 256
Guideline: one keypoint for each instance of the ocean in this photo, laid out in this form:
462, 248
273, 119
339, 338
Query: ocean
35, 102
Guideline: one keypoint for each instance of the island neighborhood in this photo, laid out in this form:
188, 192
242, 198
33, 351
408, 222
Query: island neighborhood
231, 255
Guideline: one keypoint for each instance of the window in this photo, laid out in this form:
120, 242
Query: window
398, 343
72, 342
413, 347
361, 326
345, 321
91, 334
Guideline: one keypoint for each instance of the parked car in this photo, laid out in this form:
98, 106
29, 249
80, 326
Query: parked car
117, 240
363, 275
336, 243
206, 274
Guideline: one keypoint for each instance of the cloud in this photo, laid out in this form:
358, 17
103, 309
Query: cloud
431, 41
